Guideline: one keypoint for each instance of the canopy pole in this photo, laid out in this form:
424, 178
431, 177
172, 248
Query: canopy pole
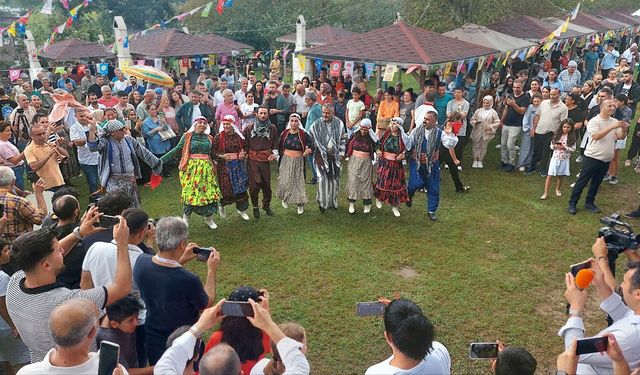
423, 77
378, 77
284, 66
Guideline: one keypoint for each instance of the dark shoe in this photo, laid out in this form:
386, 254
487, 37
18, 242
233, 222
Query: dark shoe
633, 214
322, 209
409, 203
268, 211
501, 165
543, 174
572, 208
592, 207
508, 168
256, 212
432, 216
313, 181
529, 172
464, 189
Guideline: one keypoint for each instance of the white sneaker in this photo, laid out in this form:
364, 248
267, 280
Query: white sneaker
210, 222
446, 166
285, 205
459, 167
396, 212
518, 148
572, 185
480, 164
475, 164
243, 215
498, 146
352, 208
300, 210
222, 212
185, 218
378, 203
367, 208
521, 169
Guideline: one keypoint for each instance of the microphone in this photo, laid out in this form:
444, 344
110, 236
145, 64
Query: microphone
584, 278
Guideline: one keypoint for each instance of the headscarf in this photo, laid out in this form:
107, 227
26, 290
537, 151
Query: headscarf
232, 120
299, 120
405, 138
484, 113
113, 126
193, 125
365, 123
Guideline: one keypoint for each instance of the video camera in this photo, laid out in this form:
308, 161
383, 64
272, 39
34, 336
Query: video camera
619, 237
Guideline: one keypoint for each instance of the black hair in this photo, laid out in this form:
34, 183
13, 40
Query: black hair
411, 332
122, 94
65, 206
65, 190
635, 279
391, 91
514, 360
31, 248
114, 203
571, 137
430, 97
37, 117
356, 90
622, 98
238, 332
4, 125
124, 308
136, 219
286, 86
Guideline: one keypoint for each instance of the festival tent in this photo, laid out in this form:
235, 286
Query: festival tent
620, 16
174, 43
598, 23
485, 37
525, 27
318, 36
74, 49
572, 29
398, 44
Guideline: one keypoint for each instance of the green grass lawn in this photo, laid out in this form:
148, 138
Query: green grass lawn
492, 267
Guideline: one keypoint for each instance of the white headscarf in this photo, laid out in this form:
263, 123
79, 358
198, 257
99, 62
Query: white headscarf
405, 138
193, 125
366, 124
232, 120
300, 127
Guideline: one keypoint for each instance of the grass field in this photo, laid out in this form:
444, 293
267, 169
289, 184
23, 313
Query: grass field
492, 267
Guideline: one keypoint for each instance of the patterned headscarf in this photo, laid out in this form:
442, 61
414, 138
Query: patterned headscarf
113, 126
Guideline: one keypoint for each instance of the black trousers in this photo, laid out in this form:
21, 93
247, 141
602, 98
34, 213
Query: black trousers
445, 157
592, 170
635, 143
462, 143
541, 152
142, 352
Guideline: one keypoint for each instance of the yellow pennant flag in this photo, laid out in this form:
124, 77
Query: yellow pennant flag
597, 41
12, 30
565, 25
447, 68
506, 58
547, 46
212, 60
301, 62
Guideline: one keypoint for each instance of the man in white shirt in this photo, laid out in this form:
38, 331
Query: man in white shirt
88, 160
121, 83
93, 105
73, 325
604, 130
218, 98
301, 106
123, 105
410, 335
241, 94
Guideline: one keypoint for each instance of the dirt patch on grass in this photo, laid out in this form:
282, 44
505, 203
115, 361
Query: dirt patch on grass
407, 273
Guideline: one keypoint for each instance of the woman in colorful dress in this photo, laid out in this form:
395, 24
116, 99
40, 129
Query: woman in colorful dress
228, 150
200, 192
293, 148
391, 187
360, 150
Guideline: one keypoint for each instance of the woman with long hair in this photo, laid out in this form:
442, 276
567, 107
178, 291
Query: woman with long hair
200, 192
258, 92
135, 98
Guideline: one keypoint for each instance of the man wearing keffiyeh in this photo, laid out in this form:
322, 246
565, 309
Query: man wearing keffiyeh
261, 146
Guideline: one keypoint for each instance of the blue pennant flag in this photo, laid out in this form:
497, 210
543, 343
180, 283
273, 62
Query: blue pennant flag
228, 3
318, 63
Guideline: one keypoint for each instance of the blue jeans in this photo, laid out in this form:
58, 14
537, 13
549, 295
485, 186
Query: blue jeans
19, 172
91, 174
419, 179
526, 150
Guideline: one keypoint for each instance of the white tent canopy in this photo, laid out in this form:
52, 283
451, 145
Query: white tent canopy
482, 36
555, 22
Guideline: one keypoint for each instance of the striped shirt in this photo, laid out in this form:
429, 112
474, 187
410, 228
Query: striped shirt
30, 309
21, 215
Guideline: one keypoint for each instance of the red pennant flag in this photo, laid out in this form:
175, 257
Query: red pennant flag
490, 60
220, 6
156, 179
69, 21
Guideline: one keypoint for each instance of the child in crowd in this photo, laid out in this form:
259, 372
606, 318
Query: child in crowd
13, 352
562, 144
119, 327
275, 365
622, 102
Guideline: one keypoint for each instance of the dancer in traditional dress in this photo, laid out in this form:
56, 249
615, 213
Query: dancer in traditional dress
261, 145
329, 139
228, 149
361, 148
293, 148
200, 192
119, 166
391, 187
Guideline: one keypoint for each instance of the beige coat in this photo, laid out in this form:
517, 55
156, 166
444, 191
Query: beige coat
484, 127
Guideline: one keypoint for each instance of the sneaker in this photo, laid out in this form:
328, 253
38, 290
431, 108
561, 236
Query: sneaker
508, 168
606, 178
572, 208
614, 180
313, 181
210, 222
256, 212
300, 210
517, 147
352, 208
579, 159
243, 215
475, 164
572, 185
432, 216
529, 172
498, 146
446, 166
409, 203
185, 218
592, 207
633, 214
480, 164
378, 204
222, 212
464, 189
460, 168
268, 211
395, 211
322, 209
367, 208
521, 169
501, 166
627, 163
543, 174
285, 205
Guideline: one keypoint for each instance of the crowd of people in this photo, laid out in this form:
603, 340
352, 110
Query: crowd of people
77, 281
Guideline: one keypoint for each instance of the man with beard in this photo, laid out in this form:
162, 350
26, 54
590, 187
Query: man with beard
330, 139
261, 145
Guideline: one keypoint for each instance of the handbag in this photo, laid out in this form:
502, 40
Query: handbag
167, 134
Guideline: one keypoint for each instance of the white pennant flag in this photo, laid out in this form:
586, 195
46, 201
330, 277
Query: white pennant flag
574, 14
61, 28
636, 13
48, 6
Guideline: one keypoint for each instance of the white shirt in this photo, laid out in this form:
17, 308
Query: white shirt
120, 85
603, 148
437, 362
295, 363
101, 259
100, 108
78, 132
218, 98
45, 367
626, 329
174, 359
196, 112
301, 104
240, 97
4, 283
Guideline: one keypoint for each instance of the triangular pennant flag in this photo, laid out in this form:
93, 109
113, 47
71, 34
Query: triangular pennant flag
575, 11
61, 28
220, 6
69, 21
410, 69
459, 67
565, 25
301, 61
47, 7
12, 30
65, 4
20, 29
228, 3
182, 16
447, 68
73, 12
207, 9
490, 60
318, 63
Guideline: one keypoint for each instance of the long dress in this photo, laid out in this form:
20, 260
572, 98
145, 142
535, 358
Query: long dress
200, 192
391, 187
360, 169
291, 181
232, 174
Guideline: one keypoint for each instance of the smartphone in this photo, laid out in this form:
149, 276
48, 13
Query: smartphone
1, 210
108, 221
203, 254
233, 308
575, 268
483, 350
369, 308
235, 102
108, 360
592, 345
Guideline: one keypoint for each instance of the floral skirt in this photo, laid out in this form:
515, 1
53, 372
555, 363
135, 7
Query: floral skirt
200, 192
391, 187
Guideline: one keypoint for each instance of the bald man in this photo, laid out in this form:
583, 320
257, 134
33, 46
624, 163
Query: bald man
220, 360
73, 326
